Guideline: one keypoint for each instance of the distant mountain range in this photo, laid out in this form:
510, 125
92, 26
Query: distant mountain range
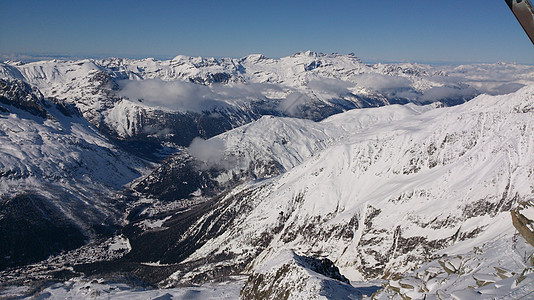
173, 101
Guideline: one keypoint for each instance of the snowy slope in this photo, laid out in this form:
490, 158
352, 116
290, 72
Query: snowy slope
259, 150
288, 141
60, 146
497, 269
377, 200
57, 174
82, 288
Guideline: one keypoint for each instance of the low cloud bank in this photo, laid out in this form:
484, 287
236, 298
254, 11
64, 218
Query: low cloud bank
186, 96
153, 131
382, 83
402, 87
211, 150
330, 87
174, 95
447, 92
447, 83
493, 79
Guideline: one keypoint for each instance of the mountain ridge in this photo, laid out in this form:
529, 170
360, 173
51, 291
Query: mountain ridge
237, 91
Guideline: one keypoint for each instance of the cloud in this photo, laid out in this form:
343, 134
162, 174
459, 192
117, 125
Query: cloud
330, 87
293, 103
505, 88
209, 152
174, 95
153, 131
244, 92
493, 79
446, 92
382, 83
186, 96
387, 85
401, 87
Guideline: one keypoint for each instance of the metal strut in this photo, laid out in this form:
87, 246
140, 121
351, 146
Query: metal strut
524, 13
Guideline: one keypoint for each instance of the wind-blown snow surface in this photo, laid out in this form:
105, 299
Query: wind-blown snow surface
79, 288
377, 191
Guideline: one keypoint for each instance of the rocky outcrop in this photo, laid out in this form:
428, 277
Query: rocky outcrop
522, 223
291, 276
21, 95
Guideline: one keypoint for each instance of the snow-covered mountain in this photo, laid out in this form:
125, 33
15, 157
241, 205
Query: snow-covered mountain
55, 181
168, 103
291, 276
408, 189
377, 191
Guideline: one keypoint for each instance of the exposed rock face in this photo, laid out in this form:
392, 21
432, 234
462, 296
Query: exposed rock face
20, 95
522, 223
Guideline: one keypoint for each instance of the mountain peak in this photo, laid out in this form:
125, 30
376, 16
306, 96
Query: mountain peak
254, 58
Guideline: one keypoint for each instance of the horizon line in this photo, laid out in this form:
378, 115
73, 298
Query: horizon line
27, 57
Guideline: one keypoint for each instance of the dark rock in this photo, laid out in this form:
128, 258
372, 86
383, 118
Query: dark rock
20, 95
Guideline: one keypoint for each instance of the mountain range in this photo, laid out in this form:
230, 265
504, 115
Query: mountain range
298, 176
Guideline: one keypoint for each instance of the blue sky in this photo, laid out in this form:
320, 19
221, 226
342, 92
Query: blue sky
389, 30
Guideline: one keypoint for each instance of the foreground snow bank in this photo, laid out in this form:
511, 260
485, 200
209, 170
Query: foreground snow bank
78, 288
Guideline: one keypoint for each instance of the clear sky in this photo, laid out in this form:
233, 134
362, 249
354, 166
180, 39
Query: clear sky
389, 30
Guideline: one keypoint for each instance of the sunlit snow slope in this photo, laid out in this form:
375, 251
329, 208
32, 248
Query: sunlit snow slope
377, 191
397, 191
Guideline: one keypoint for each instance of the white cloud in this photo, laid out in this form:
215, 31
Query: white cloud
380, 83
211, 153
186, 96
153, 131
293, 102
445, 92
174, 95
331, 87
